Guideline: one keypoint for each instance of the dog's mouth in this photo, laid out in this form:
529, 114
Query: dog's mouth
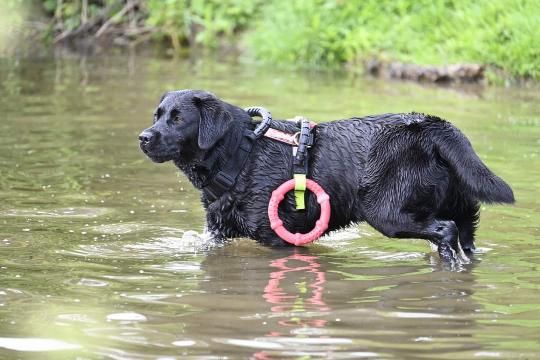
158, 157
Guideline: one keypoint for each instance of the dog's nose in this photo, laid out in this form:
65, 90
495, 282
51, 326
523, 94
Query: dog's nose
146, 137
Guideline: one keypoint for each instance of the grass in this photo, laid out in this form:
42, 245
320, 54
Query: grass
501, 33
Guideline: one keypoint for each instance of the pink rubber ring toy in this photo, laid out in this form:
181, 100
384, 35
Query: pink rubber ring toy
277, 225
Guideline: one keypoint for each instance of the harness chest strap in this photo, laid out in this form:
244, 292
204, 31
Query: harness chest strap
225, 179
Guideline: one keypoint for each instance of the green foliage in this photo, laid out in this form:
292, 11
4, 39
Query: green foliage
199, 21
171, 17
183, 22
330, 32
315, 33
69, 12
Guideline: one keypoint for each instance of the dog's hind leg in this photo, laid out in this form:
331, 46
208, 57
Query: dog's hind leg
442, 233
466, 221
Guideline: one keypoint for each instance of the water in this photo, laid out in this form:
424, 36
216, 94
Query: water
101, 254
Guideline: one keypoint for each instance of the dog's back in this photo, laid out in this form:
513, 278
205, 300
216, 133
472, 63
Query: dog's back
385, 141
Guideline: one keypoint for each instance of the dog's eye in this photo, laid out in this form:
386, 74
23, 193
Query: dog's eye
177, 118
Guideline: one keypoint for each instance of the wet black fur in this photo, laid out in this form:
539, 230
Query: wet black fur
407, 175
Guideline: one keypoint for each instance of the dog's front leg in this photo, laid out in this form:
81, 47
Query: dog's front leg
214, 236
219, 222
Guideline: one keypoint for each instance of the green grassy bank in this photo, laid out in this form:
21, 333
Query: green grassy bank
503, 33
320, 33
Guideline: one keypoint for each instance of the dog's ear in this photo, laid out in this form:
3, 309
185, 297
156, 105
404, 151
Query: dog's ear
215, 119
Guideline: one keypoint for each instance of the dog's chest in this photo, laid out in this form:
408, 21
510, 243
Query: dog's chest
230, 218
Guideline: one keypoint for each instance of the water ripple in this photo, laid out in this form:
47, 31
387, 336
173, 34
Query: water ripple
72, 212
36, 344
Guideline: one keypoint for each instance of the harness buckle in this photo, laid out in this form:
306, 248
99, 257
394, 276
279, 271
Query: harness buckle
296, 138
224, 180
310, 139
220, 184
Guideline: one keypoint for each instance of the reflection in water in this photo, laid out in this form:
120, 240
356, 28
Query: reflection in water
309, 302
295, 287
303, 291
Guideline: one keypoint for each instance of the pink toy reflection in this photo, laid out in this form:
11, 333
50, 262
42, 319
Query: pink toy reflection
294, 289
308, 298
296, 286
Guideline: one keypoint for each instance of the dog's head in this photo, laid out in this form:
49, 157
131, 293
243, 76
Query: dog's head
185, 120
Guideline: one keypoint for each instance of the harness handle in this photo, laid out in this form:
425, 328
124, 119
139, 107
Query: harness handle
266, 122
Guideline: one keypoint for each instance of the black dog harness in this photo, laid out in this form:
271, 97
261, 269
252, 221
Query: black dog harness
222, 180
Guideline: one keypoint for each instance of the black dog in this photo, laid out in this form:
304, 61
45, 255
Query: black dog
407, 175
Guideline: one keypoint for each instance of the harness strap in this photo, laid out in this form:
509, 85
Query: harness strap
306, 139
284, 137
225, 178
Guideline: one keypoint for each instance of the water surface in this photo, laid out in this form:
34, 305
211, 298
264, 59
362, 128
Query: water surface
101, 254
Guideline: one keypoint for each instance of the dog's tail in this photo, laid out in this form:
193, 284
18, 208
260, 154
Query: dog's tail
458, 152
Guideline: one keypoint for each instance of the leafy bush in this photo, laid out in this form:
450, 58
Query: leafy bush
199, 21
183, 22
330, 32
69, 12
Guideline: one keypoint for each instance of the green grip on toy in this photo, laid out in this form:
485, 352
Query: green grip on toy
299, 191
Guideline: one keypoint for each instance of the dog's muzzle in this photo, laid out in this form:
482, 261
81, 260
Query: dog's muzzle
146, 138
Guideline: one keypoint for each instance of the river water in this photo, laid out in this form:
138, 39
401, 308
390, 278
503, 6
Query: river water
101, 253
